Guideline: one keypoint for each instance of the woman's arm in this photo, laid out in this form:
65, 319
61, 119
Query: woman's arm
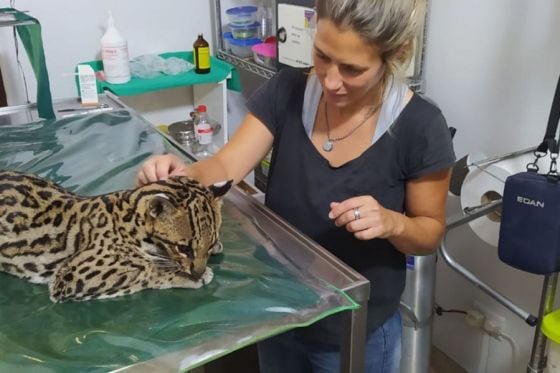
417, 233
233, 161
423, 226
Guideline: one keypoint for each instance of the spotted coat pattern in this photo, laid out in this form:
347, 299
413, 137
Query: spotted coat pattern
156, 236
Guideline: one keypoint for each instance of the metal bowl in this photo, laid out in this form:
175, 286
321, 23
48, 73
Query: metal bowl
183, 133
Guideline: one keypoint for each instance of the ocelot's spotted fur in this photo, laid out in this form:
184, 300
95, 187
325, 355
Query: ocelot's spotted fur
156, 236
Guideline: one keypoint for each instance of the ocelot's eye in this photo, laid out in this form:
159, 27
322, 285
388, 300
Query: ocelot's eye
187, 250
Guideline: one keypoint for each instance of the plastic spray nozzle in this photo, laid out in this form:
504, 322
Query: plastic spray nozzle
110, 19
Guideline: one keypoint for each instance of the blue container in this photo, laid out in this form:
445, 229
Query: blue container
250, 31
241, 47
242, 15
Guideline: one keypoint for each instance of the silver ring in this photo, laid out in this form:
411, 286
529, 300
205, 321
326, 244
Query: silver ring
356, 214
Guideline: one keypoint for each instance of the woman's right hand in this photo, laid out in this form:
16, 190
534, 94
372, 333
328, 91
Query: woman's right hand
160, 167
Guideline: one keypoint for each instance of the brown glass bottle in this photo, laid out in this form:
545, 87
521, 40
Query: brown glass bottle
201, 55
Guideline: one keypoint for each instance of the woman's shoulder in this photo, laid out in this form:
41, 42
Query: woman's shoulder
422, 108
295, 71
426, 139
283, 82
420, 118
292, 75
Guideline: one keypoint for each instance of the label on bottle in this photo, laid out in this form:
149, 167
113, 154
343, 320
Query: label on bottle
203, 59
204, 133
88, 85
115, 64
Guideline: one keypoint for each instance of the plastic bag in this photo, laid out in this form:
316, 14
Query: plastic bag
150, 66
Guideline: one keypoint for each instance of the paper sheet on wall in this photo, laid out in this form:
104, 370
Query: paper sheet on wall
299, 25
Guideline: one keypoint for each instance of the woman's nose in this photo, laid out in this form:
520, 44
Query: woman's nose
333, 80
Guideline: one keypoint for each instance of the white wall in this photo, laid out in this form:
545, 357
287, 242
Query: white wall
492, 66
71, 33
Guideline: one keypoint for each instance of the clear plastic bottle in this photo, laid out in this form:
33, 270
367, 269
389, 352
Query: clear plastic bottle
114, 53
266, 19
204, 132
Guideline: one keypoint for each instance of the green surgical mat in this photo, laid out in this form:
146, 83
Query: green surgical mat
254, 294
30, 36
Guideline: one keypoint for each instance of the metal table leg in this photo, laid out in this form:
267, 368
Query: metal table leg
352, 351
416, 308
537, 363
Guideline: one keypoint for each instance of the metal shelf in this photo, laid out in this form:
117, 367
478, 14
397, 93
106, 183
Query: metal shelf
415, 82
242, 63
14, 23
246, 64
8, 18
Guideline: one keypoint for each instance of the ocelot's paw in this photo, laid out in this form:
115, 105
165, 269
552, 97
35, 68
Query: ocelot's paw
207, 276
218, 248
205, 279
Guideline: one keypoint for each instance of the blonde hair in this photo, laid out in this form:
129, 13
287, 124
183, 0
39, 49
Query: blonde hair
393, 26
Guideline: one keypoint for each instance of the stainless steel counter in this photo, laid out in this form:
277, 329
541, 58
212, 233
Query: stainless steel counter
63, 108
283, 242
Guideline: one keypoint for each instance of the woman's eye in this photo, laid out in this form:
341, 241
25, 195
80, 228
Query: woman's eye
322, 57
350, 70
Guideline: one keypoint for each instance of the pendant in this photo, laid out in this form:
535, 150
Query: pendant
328, 145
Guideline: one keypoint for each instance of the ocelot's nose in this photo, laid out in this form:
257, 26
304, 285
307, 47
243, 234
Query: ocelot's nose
197, 270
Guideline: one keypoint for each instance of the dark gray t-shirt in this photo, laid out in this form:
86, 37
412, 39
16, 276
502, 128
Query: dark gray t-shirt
301, 184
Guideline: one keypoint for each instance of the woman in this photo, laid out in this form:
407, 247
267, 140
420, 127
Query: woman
360, 164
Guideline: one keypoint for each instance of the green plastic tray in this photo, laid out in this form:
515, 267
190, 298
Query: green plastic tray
220, 70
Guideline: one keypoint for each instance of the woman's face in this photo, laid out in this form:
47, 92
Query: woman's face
348, 68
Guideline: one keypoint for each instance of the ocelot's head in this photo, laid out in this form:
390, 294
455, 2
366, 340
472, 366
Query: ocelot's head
183, 220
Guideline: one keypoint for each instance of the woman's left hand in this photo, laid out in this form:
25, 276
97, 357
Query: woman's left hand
365, 218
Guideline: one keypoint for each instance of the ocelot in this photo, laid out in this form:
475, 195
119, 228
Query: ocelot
156, 236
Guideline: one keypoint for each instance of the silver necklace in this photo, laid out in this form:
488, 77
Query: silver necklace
328, 145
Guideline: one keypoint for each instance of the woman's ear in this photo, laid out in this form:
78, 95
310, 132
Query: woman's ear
403, 54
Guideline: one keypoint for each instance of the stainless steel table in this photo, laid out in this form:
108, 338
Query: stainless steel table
284, 243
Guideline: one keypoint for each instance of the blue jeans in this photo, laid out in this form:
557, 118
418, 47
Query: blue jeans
288, 353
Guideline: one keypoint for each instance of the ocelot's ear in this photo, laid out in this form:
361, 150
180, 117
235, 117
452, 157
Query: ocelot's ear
158, 205
221, 188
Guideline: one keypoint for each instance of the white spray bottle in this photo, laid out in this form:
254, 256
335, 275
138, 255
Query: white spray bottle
114, 53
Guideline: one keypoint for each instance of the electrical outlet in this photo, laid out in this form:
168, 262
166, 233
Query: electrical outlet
475, 318
491, 315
